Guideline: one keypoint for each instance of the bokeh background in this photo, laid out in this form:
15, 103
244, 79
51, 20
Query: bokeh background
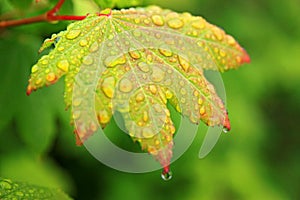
259, 159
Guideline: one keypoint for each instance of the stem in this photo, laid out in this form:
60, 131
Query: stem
49, 16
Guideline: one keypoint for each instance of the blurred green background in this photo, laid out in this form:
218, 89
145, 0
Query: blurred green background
259, 159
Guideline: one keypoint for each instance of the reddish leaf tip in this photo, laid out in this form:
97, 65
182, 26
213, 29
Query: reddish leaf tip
246, 58
29, 90
166, 169
226, 124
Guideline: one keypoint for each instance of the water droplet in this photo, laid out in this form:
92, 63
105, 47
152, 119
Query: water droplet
5, 184
94, 47
134, 54
87, 60
166, 175
153, 89
147, 133
222, 53
63, 65
38, 81
77, 102
34, 69
230, 40
145, 116
169, 94
202, 110
113, 61
157, 20
83, 43
175, 23
183, 91
165, 52
51, 77
200, 101
72, 34
218, 33
140, 97
157, 75
111, 37
108, 86
61, 48
143, 66
137, 33
185, 65
125, 85
225, 130
45, 62
199, 24
103, 117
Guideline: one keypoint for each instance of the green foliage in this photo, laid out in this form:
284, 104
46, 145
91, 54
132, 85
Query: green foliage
24, 4
259, 159
17, 190
118, 3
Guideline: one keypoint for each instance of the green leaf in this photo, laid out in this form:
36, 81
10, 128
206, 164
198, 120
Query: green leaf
21, 4
135, 61
118, 3
18, 190
35, 124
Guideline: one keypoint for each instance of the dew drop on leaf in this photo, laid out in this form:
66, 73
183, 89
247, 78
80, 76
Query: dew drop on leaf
157, 20
87, 60
63, 65
72, 34
175, 23
5, 184
125, 85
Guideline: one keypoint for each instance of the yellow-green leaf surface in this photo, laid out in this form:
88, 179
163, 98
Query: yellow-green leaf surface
135, 61
19, 190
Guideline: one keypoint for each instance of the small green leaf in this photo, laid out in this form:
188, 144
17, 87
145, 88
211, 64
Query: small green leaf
18, 190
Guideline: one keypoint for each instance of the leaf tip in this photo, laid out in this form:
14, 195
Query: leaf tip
226, 125
245, 58
29, 90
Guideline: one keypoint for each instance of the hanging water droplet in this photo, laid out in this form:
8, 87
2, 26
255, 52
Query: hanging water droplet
166, 175
175, 23
225, 130
72, 34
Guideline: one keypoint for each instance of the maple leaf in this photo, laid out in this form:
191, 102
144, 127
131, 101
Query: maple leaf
135, 61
